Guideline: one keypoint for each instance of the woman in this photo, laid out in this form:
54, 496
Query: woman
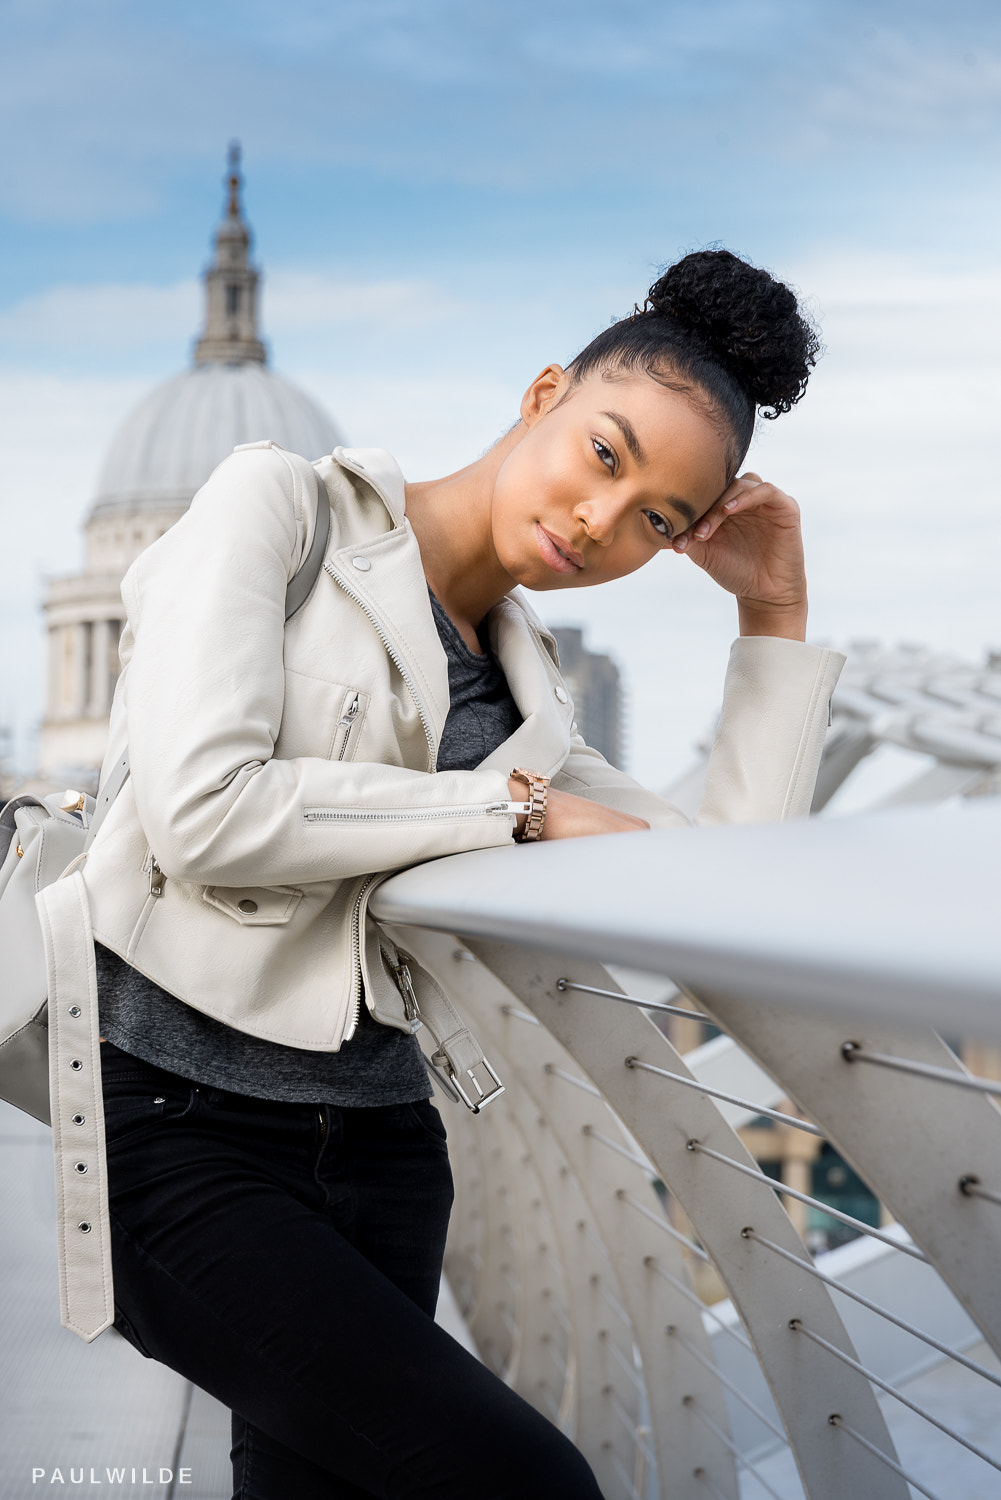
278, 1178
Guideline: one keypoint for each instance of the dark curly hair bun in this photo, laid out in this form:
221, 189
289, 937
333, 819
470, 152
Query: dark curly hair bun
749, 322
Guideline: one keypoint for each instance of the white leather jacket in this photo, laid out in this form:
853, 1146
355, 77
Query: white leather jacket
277, 774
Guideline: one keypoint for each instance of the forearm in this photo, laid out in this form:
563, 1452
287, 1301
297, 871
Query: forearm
295, 822
766, 753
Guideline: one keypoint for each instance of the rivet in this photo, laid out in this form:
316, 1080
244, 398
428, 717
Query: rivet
159, 1099
76, 1065
80, 1166
361, 563
83, 1227
561, 694
19, 851
75, 1010
79, 1119
248, 906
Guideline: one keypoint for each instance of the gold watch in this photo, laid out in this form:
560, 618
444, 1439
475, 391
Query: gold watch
538, 791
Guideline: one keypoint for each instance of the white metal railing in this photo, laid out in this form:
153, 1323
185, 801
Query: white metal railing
826, 952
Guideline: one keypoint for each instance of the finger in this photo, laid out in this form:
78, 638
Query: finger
738, 500
727, 503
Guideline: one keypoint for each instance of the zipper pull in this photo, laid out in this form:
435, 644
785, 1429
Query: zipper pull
405, 985
351, 712
155, 878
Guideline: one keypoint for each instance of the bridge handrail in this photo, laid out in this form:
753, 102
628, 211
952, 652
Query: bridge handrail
826, 951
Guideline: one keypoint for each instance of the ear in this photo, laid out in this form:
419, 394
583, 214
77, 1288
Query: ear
543, 393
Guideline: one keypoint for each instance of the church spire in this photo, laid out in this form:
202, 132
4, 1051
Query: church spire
230, 335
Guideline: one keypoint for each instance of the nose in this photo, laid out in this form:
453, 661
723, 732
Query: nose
599, 519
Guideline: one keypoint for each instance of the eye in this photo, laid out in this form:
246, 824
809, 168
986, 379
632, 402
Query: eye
658, 522
605, 453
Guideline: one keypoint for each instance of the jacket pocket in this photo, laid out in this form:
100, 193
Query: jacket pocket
349, 724
320, 717
254, 905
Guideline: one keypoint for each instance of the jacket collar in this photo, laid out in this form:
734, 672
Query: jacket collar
378, 469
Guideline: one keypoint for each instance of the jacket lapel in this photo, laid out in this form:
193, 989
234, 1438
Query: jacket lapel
542, 742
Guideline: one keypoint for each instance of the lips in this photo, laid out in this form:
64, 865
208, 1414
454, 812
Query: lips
557, 553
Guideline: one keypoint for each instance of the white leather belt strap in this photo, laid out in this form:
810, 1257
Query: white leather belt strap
457, 1055
86, 1295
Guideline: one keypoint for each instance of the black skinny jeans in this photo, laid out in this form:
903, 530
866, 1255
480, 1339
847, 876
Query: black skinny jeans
286, 1258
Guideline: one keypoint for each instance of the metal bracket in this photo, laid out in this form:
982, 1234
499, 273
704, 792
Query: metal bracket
405, 985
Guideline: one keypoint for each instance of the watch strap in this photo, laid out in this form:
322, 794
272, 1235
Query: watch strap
538, 790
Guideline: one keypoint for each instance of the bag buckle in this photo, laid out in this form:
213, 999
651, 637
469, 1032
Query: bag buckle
442, 1080
405, 985
440, 1059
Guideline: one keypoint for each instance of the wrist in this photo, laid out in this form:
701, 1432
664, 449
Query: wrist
759, 617
530, 825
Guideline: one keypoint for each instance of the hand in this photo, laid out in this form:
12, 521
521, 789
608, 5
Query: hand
570, 817
750, 543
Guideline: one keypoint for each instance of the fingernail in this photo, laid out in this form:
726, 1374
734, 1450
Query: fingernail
680, 543
702, 530
729, 504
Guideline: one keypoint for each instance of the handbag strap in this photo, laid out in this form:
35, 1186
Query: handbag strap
86, 1295
300, 587
301, 584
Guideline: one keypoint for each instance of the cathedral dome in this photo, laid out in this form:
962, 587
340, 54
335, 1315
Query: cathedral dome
169, 444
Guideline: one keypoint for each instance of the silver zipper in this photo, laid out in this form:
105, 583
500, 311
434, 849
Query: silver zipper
397, 661
354, 1009
347, 722
415, 815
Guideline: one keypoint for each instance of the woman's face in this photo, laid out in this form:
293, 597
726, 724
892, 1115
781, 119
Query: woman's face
601, 480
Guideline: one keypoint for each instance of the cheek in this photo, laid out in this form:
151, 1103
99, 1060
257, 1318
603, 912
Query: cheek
621, 560
538, 478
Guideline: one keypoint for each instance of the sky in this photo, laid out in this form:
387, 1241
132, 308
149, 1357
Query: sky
447, 196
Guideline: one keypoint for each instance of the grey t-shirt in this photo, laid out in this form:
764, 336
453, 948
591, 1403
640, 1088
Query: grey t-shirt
379, 1065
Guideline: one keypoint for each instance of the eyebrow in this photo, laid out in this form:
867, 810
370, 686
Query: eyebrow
633, 444
629, 433
688, 511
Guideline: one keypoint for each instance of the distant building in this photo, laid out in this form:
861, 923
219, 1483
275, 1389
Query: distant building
164, 451
596, 689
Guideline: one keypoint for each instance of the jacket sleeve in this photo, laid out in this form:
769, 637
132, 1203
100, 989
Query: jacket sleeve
766, 753
204, 692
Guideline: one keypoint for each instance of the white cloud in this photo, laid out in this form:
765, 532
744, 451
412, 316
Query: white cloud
64, 321
110, 319
297, 301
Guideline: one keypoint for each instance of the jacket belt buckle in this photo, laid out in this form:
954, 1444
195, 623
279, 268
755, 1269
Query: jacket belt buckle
484, 1096
405, 985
